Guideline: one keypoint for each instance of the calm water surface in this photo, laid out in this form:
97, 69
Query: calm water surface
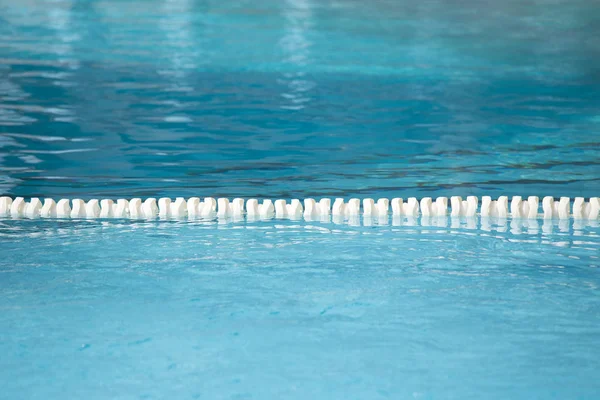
271, 310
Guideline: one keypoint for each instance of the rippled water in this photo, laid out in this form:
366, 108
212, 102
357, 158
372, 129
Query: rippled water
299, 97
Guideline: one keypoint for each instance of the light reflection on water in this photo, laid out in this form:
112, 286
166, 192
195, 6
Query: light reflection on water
296, 49
571, 233
298, 98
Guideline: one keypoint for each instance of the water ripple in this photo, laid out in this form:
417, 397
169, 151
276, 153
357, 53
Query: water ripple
298, 98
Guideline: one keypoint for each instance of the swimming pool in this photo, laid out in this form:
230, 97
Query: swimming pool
298, 99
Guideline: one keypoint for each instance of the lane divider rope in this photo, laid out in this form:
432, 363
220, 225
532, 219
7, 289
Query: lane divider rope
194, 207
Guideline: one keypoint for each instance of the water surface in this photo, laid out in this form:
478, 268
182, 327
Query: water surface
298, 98
284, 309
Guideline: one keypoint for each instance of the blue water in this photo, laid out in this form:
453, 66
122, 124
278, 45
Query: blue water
297, 310
297, 97
287, 99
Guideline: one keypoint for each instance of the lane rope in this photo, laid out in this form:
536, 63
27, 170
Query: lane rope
518, 208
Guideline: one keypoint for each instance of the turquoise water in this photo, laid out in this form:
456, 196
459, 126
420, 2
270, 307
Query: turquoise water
299, 98
290, 98
297, 310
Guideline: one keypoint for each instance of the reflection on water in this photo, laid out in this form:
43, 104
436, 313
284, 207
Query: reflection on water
572, 233
296, 49
461, 243
59, 18
300, 98
176, 24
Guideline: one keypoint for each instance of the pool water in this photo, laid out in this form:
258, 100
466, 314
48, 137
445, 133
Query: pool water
296, 310
299, 98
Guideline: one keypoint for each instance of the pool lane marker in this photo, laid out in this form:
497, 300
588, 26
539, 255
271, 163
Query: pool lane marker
194, 207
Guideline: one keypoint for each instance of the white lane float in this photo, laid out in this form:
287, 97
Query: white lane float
517, 208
